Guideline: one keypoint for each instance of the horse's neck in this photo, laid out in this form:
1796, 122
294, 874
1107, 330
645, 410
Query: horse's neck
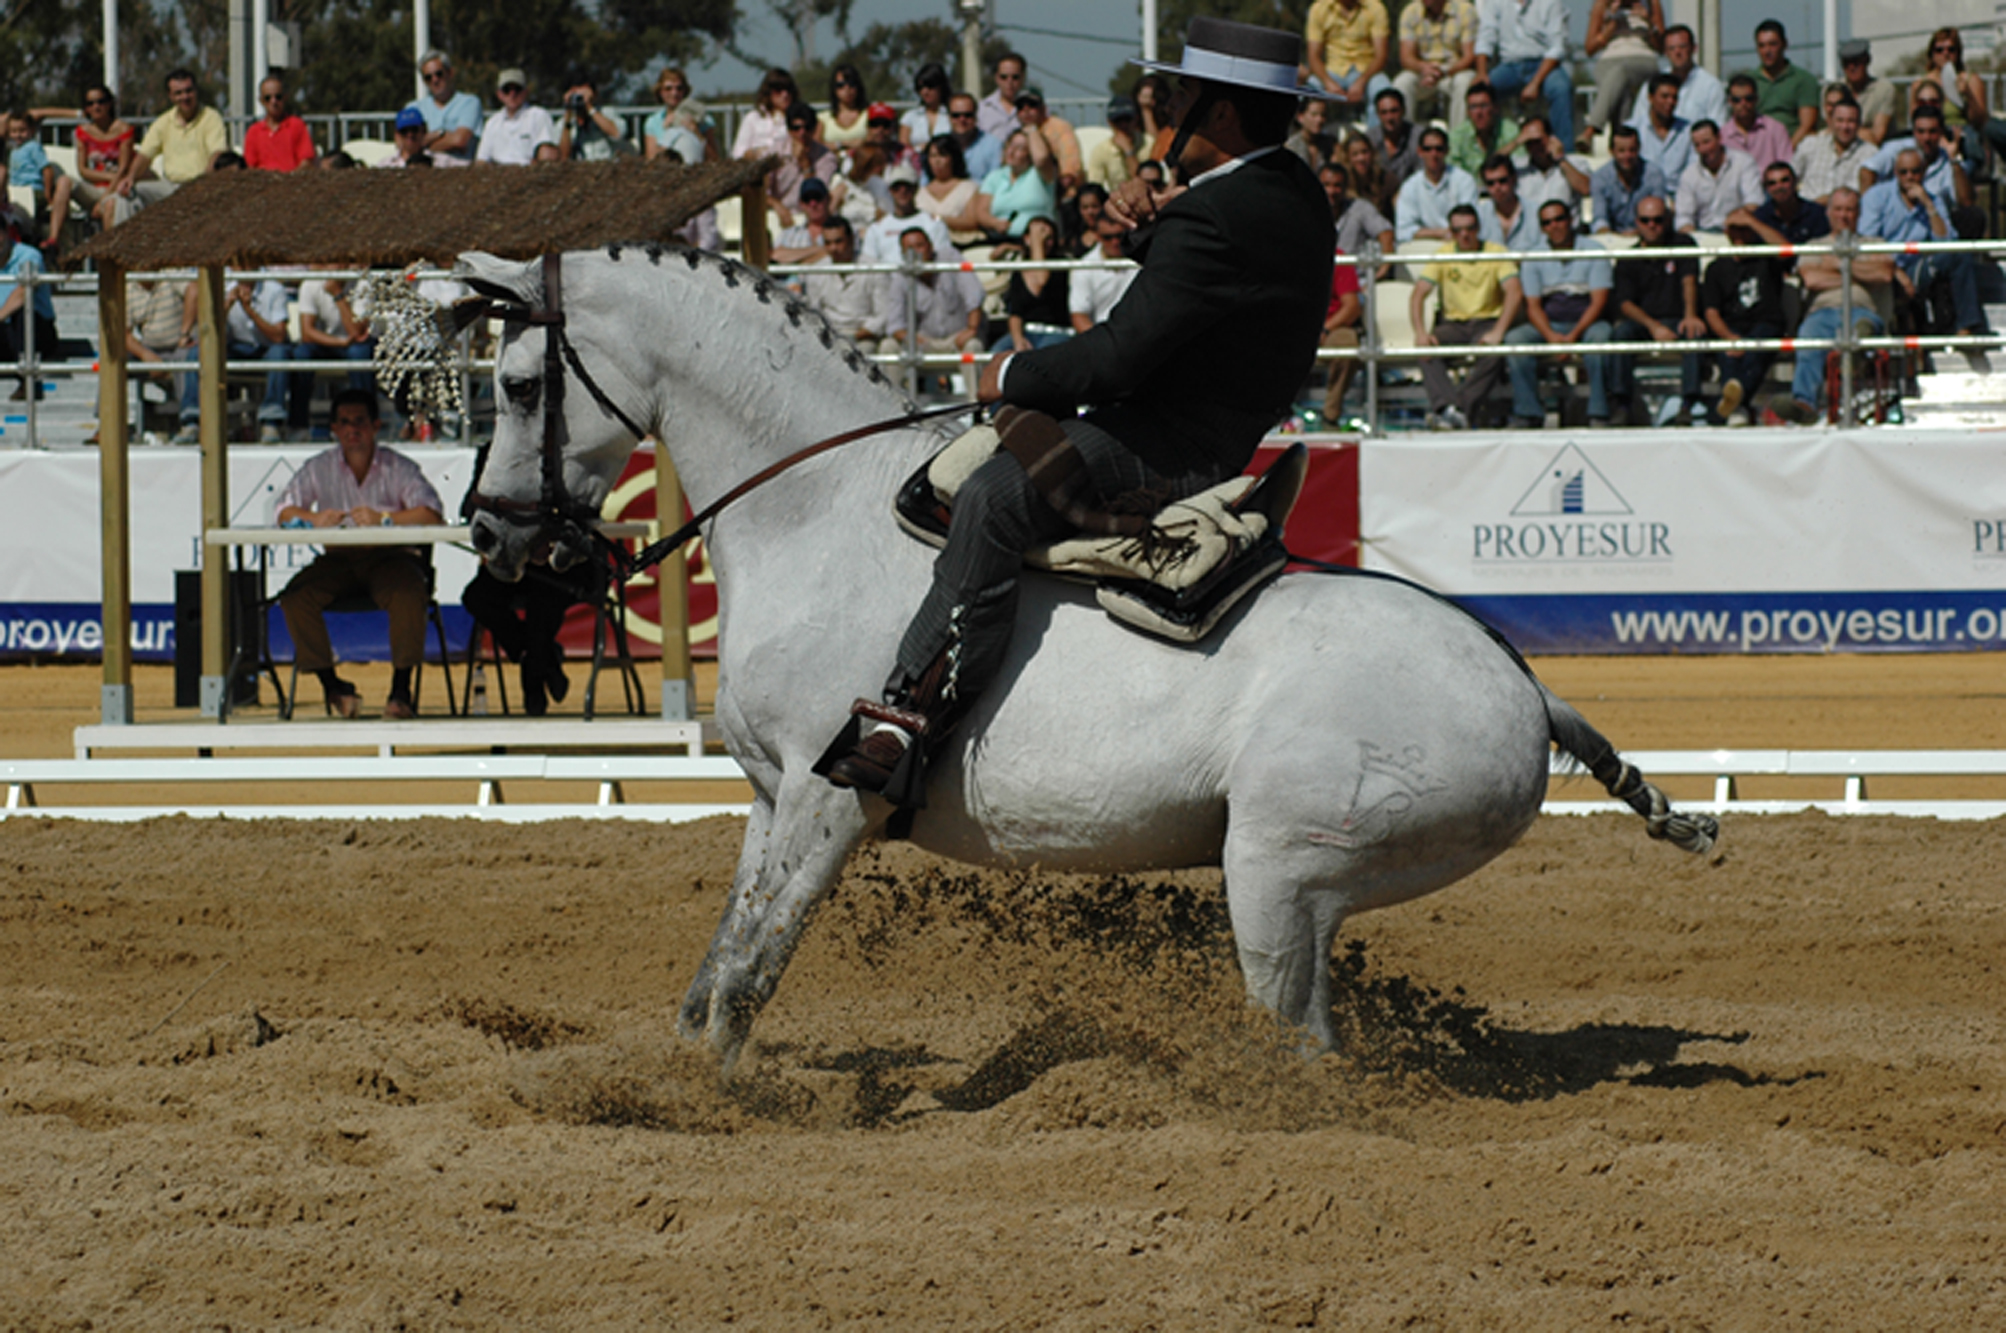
745, 374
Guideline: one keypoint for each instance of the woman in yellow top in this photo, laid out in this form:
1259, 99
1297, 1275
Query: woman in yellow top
844, 123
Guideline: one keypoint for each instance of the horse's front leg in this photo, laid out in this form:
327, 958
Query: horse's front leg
812, 831
695, 1015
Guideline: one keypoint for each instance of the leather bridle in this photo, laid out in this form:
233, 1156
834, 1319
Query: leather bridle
555, 512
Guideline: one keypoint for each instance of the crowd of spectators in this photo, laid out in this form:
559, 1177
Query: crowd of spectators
1757, 159
1462, 117
959, 178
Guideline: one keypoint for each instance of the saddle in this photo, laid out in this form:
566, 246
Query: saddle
1200, 558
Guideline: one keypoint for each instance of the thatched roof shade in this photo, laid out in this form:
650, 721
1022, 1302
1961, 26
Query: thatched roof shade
384, 219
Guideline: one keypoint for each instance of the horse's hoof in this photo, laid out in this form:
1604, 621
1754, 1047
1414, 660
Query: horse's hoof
693, 1023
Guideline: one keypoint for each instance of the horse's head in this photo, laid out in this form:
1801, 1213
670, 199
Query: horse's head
562, 429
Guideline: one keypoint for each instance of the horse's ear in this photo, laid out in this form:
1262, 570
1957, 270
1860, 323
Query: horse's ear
508, 280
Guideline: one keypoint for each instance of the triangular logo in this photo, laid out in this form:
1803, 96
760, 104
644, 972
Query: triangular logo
1570, 484
256, 508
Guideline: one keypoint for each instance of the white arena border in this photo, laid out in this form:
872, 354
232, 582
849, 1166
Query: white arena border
1724, 766
680, 814
491, 814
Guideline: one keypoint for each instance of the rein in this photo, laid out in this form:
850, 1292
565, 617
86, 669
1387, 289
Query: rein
656, 552
554, 506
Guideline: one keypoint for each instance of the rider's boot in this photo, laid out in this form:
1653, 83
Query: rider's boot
882, 748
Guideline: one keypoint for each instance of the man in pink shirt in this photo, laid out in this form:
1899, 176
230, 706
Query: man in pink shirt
1747, 130
279, 142
357, 485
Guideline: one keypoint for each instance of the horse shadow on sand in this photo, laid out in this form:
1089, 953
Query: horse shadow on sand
1388, 1024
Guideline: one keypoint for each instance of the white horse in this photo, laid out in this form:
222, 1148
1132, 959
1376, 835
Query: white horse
1340, 743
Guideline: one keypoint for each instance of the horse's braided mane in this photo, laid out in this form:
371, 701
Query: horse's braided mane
764, 290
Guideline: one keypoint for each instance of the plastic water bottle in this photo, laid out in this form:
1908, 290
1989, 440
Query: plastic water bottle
478, 705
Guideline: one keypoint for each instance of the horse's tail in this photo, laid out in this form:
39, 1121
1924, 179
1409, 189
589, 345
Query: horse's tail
1573, 734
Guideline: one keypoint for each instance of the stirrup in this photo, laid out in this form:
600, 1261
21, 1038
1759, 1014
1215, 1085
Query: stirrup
905, 786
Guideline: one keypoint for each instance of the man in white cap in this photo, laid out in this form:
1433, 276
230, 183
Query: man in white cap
1197, 362
513, 134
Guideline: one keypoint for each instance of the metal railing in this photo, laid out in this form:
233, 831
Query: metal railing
915, 364
332, 130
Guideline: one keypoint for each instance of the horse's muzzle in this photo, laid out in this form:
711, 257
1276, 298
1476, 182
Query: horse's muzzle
503, 547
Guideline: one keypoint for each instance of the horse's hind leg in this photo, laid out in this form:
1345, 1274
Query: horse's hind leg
1285, 919
813, 829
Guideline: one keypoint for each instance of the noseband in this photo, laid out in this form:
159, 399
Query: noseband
555, 512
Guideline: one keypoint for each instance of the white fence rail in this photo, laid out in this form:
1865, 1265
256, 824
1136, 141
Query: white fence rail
486, 774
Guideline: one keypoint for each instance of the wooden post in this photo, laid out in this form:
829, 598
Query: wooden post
215, 488
114, 501
754, 244
672, 586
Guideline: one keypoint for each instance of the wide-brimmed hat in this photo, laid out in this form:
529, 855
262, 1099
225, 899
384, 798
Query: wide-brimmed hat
1242, 54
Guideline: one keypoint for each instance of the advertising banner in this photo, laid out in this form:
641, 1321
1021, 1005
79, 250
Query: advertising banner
1702, 541
50, 590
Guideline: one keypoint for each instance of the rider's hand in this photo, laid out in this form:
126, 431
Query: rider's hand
991, 388
1133, 203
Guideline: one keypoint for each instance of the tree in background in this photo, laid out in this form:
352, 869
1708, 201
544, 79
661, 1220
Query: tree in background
358, 52
51, 50
889, 54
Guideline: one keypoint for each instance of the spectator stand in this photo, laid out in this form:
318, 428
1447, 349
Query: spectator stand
1388, 338
369, 219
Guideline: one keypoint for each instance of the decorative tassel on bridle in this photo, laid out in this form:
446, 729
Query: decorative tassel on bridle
417, 358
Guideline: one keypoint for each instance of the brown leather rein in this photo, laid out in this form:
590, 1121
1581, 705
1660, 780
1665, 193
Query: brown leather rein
554, 508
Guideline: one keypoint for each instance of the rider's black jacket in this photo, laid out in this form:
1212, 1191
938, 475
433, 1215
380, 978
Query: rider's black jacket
1205, 352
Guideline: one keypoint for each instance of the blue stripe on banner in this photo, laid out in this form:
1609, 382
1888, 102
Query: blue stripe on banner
72, 631
1841, 622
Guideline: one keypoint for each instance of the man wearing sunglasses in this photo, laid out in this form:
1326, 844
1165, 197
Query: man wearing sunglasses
1421, 212
452, 120
514, 133
1480, 302
1502, 215
1747, 130
1658, 300
982, 152
279, 142
1785, 217
1566, 302
1907, 208
1940, 168
997, 116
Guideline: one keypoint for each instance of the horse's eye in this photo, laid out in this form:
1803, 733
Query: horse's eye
523, 392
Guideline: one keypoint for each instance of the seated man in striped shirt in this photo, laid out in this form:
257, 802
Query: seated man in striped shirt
356, 484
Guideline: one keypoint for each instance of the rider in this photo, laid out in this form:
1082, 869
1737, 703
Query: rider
1196, 363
